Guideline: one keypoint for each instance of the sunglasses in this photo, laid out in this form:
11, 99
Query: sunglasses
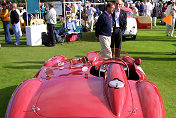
118, 4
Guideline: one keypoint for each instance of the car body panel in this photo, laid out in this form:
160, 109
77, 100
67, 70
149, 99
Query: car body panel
131, 28
21, 98
75, 91
152, 106
74, 88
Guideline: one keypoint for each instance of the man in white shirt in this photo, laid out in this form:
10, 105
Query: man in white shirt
90, 13
171, 10
148, 8
119, 26
51, 21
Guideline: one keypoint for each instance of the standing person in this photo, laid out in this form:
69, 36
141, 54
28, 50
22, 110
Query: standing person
90, 14
135, 10
42, 9
97, 13
51, 21
103, 30
155, 14
163, 14
20, 18
148, 8
137, 5
74, 9
15, 21
120, 22
171, 10
25, 15
141, 9
6, 19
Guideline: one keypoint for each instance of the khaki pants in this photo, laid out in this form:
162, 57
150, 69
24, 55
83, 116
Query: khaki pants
154, 21
90, 22
105, 42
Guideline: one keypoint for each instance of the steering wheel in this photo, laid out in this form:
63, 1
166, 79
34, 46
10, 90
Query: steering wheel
117, 59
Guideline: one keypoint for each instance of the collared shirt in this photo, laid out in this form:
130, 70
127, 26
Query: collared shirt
51, 16
108, 13
109, 16
117, 13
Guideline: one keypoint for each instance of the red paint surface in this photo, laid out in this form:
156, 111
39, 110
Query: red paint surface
62, 90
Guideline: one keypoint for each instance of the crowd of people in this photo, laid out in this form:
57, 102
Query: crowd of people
10, 14
89, 12
152, 9
110, 35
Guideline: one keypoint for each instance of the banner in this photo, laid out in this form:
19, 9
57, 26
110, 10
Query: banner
33, 6
58, 7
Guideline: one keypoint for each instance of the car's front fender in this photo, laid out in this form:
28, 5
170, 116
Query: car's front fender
21, 98
151, 101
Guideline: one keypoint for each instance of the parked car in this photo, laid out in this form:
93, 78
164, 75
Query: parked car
87, 87
131, 30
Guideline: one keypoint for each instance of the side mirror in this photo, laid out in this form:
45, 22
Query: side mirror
116, 83
138, 61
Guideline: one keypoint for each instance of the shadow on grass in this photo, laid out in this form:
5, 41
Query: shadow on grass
2, 33
89, 36
156, 38
153, 29
22, 44
24, 62
151, 53
5, 95
157, 58
24, 67
174, 44
28, 65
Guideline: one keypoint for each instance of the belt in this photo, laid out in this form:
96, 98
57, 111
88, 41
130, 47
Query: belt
117, 27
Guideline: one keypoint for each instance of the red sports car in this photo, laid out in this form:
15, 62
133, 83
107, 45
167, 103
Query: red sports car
87, 87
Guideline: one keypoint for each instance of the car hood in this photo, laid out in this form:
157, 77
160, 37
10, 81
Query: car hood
73, 97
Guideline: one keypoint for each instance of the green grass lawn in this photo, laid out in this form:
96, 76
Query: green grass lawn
158, 52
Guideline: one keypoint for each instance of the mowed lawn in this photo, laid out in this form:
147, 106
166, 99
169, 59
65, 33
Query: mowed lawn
158, 52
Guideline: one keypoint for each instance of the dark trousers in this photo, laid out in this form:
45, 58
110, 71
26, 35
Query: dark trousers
116, 39
51, 35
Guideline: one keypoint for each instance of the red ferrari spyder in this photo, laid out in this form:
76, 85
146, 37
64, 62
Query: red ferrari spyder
87, 87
